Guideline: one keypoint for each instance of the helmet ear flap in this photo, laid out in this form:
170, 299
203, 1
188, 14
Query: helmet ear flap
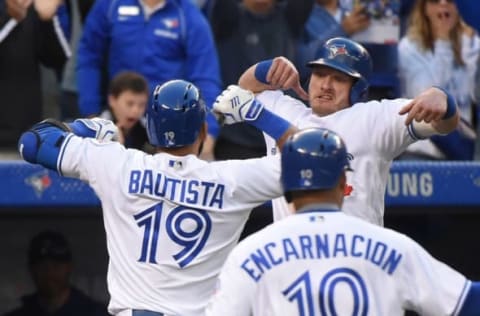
359, 91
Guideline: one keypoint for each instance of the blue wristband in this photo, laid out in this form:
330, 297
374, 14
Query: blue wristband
270, 123
451, 104
262, 69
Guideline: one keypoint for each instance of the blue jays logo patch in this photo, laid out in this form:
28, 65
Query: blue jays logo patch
171, 23
39, 181
336, 50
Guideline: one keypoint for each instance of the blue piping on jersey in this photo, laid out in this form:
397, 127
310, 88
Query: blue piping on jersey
62, 152
469, 300
412, 133
463, 295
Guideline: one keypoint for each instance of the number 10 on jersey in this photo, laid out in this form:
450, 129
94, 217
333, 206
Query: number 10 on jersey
304, 294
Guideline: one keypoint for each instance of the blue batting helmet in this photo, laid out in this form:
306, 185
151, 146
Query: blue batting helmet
350, 58
176, 114
312, 159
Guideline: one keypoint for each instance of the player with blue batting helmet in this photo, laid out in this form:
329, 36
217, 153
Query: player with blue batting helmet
351, 58
176, 115
313, 159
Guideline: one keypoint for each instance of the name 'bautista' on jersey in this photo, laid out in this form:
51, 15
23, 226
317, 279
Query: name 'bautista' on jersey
191, 191
322, 247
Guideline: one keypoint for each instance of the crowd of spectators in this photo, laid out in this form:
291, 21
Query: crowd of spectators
210, 43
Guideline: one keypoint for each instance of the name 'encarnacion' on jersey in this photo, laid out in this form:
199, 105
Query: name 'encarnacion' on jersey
322, 247
209, 194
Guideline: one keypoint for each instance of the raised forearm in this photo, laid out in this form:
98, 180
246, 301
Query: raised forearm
250, 82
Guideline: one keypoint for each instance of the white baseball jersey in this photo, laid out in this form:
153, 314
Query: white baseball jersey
323, 262
170, 221
374, 134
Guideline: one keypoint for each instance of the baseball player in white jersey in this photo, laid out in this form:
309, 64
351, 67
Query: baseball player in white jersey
170, 218
323, 262
376, 131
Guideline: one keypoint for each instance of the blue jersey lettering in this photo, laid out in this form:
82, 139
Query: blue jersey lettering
302, 248
274, 261
189, 191
340, 246
134, 181
250, 271
378, 253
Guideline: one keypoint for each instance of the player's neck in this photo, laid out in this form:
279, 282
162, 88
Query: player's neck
192, 149
317, 197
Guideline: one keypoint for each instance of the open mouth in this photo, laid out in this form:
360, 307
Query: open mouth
325, 97
443, 15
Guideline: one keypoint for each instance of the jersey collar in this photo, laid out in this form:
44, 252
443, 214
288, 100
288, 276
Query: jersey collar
319, 207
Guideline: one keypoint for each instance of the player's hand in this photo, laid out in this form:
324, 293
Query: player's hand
98, 128
49, 132
237, 105
429, 106
283, 75
17, 9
